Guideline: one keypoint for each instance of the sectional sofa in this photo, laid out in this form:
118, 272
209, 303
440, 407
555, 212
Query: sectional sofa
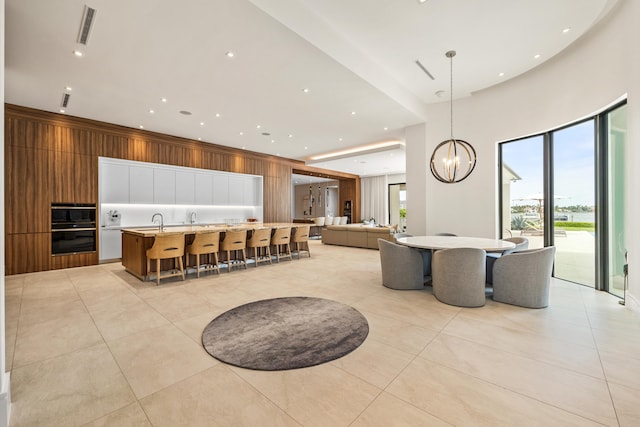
356, 235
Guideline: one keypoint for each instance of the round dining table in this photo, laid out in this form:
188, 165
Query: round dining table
449, 242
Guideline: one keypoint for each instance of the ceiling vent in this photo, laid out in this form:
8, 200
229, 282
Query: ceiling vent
65, 100
88, 16
419, 64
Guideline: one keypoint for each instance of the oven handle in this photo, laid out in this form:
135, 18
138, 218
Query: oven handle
73, 229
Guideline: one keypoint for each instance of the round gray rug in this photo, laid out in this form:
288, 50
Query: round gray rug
285, 333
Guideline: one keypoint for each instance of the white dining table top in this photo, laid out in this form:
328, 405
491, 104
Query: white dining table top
449, 242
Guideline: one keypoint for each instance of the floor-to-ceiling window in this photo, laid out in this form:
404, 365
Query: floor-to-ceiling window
573, 183
522, 163
398, 205
565, 188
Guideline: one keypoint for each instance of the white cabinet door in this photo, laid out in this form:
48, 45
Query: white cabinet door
204, 189
164, 186
114, 183
220, 189
249, 192
236, 190
140, 184
110, 244
185, 188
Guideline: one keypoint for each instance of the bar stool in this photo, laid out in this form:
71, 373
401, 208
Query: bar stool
260, 239
235, 239
206, 242
166, 246
300, 238
280, 239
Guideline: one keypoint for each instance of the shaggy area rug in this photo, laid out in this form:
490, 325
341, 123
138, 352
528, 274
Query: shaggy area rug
285, 333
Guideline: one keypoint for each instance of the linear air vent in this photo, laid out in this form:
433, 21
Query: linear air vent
88, 17
65, 99
419, 64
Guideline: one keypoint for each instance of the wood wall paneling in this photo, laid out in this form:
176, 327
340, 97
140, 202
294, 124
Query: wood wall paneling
27, 252
27, 190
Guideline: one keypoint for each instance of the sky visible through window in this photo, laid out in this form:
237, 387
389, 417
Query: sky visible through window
573, 170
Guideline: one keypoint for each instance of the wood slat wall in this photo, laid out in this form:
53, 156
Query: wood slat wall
54, 158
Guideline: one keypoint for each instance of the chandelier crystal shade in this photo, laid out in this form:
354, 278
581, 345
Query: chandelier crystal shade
454, 159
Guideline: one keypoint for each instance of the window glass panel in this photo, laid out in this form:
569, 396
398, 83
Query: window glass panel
617, 127
522, 185
574, 233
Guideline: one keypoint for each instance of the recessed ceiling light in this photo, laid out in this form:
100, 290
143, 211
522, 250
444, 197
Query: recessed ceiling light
278, 154
62, 110
565, 30
500, 74
422, 1
340, 139
69, 88
201, 123
243, 147
353, 113
151, 111
185, 112
141, 127
199, 139
258, 126
306, 148
273, 140
536, 56
163, 99
241, 133
77, 53
217, 114
290, 136
305, 90
385, 128
230, 54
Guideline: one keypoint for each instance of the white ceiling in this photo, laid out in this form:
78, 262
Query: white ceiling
353, 56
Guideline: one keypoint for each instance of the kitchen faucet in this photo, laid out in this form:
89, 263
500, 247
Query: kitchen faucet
193, 217
161, 224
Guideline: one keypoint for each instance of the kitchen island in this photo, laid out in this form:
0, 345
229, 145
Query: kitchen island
136, 241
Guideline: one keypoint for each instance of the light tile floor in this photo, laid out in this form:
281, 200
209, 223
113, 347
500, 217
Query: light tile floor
95, 346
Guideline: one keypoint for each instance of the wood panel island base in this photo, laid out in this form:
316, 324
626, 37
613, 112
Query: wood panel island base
136, 241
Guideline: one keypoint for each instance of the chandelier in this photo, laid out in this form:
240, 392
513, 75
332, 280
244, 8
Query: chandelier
454, 159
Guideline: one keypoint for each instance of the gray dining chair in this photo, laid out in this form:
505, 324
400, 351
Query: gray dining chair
522, 243
524, 278
459, 276
402, 266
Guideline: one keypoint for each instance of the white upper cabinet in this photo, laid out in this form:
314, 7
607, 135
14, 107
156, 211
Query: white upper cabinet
114, 183
204, 189
220, 189
250, 191
164, 186
127, 181
236, 188
185, 188
140, 184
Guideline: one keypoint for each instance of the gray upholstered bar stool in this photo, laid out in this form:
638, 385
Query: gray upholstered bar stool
260, 241
167, 246
300, 240
281, 239
235, 240
206, 242
459, 276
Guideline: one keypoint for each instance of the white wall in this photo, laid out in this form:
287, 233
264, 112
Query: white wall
594, 72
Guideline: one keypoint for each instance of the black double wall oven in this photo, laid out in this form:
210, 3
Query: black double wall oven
73, 228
